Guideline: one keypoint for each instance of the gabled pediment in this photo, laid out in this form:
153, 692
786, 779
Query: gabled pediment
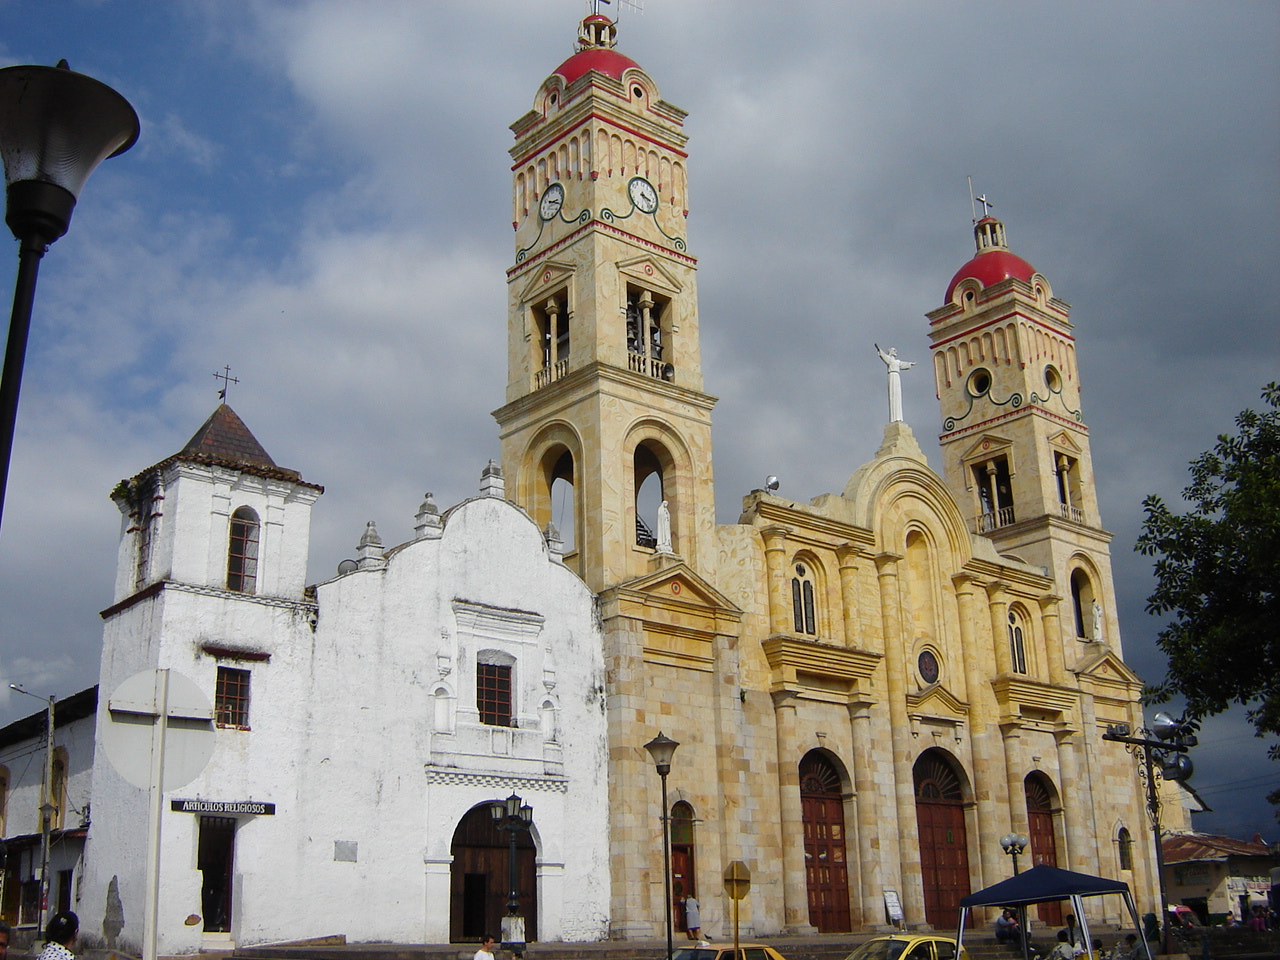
676, 585
649, 272
936, 700
1065, 441
550, 276
1108, 678
986, 446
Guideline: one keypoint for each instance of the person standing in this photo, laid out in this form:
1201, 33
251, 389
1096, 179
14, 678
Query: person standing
692, 919
59, 936
486, 950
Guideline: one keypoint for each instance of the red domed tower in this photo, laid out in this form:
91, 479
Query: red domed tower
605, 417
1014, 442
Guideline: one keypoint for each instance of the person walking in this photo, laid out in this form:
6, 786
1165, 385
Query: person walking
59, 935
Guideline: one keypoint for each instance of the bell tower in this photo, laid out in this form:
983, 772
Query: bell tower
606, 430
1014, 442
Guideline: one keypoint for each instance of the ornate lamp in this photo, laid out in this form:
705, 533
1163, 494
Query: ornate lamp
662, 748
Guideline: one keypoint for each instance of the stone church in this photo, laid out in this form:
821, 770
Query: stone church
868, 689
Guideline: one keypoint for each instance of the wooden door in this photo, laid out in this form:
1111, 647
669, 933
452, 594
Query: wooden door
944, 845
826, 867
1043, 846
479, 879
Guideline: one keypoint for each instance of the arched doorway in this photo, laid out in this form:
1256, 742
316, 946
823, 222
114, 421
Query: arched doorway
944, 850
1044, 847
478, 878
826, 868
684, 874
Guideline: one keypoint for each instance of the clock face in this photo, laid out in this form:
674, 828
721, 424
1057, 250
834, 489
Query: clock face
643, 195
552, 201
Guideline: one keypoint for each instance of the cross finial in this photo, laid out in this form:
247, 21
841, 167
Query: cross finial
986, 204
227, 379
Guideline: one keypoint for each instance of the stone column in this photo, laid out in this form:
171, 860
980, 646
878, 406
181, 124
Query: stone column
1081, 852
988, 780
847, 554
870, 880
1051, 618
795, 884
998, 601
775, 549
903, 827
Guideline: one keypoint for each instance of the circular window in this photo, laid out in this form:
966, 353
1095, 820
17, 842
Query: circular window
800, 570
637, 92
979, 382
927, 664
1052, 378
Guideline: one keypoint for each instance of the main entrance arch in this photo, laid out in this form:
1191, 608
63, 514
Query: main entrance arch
478, 878
826, 868
944, 847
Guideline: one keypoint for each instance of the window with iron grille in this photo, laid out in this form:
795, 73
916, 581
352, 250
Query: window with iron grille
231, 699
493, 693
242, 555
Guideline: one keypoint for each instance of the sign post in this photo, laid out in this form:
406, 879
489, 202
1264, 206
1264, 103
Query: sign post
737, 881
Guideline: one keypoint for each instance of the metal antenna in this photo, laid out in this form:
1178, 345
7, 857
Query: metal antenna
973, 208
227, 379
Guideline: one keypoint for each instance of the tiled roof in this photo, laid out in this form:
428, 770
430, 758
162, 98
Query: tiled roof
225, 441
224, 437
1181, 847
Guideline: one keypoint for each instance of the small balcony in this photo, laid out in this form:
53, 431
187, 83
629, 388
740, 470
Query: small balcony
648, 366
987, 522
1071, 513
551, 374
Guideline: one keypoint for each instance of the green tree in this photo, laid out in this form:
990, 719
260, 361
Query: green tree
1218, 575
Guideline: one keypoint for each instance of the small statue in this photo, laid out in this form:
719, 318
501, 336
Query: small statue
895, 381
664, 528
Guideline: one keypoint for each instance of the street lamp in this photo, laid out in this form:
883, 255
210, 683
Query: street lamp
1013, 844
1172, 739
56, 126
512, 815
662, 748
47, 807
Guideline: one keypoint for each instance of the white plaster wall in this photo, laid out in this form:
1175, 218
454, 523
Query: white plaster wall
342, 739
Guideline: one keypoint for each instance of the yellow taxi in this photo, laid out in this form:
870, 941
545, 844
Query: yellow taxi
902, 946
703, 950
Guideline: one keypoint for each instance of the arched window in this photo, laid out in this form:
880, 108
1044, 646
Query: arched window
802, 600
649, 498
242, 554
1017, 644
1124, 844
563, 500
1084, 604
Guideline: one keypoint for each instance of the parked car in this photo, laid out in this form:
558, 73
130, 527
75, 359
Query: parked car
724, 951
895, 946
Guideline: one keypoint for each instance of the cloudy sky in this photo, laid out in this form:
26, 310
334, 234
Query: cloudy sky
320, 199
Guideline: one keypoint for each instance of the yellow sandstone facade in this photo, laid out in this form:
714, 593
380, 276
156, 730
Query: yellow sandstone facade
870, 689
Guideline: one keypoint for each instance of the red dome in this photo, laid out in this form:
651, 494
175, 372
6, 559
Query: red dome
603, 60
990, 267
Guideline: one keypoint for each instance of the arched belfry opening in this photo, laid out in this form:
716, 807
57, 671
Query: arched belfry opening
651, 491
944, 843
559, 481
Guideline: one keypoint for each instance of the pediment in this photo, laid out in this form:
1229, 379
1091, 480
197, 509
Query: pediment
550, 276
1065, 441
986, 446
1103, 667
649, 272
936, 702
677, 585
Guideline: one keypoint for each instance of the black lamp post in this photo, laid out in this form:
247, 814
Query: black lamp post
1013, 844
512, 815
1161, 758
56, 126
662, 748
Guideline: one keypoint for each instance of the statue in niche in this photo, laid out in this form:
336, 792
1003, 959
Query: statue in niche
664, 528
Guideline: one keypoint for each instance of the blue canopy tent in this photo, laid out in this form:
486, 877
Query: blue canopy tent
1044, 883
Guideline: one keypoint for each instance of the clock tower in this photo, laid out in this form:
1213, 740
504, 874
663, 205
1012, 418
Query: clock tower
606, 430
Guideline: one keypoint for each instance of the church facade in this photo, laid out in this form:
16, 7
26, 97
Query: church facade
868, 689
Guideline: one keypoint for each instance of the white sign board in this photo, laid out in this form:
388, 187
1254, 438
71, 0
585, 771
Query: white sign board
188, 729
